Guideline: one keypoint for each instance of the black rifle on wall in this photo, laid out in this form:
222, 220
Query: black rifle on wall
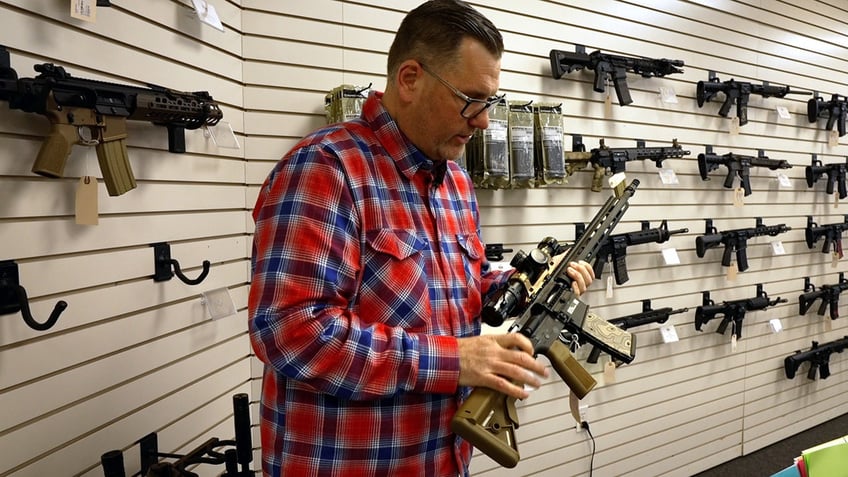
737, 165
615, 246
818, 356
738, 92
610, 67
538, 294
834, 110
835, 173
735, 240
829, 295
646, 317
832, 234
732, 311
95, 113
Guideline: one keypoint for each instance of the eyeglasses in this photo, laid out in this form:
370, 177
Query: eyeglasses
473, 106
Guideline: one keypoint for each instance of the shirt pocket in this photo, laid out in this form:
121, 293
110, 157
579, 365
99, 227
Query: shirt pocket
473, 252
395, 285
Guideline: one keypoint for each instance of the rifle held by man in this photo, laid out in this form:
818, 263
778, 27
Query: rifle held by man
539, 295
94, 113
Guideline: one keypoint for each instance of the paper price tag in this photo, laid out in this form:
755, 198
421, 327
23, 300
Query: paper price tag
608, 104
668, 177
734, 126
670, 256
775, 325
783, 113
84, 10
738, 197
667, 95
784, 180
833, 138
85, 204
609, 372
669, 334
207, 14
732, 271
609, 286
777, 248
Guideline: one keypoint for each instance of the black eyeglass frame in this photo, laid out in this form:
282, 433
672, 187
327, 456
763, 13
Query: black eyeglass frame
484, 104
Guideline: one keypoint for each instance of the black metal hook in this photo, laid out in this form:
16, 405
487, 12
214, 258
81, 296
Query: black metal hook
166, 267
13, 298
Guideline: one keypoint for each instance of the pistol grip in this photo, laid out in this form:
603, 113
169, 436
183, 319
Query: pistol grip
570, 370
113, 158
598, 179
487, 419
55, 150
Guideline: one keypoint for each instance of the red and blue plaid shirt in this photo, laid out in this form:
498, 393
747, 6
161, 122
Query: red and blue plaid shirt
364, 275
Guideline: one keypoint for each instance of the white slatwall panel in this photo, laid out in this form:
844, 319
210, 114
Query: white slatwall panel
682, 407
129, 356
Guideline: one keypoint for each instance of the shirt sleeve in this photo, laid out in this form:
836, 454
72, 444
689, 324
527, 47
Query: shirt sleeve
306, 255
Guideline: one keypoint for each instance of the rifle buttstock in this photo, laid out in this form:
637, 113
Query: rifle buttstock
487, 419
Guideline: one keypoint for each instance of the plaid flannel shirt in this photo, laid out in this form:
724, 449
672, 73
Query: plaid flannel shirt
364, 275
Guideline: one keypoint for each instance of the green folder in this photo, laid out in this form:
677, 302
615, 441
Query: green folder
827, 460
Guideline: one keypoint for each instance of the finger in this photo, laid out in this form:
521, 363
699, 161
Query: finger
588, 270
578, 283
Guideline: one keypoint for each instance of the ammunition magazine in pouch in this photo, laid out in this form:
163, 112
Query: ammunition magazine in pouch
344, 103
549, 152
491, 167
521, 150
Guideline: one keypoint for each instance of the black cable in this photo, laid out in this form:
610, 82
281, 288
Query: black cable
585, 425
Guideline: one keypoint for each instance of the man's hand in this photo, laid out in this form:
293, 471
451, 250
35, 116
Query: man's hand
581, 274
500, 362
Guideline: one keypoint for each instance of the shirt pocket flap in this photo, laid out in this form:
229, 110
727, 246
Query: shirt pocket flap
397, 243
471, 244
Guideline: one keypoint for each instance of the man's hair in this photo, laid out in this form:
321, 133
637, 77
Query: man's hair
433, 31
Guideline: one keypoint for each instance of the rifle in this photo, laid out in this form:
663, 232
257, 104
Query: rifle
834, 110
829, 295
835, 175
539, 295
238, 455
737, 165
612, 160
733, 310
615, 247
738, 92
611, 67
734, 240
817, 355
95, 113
647, 316
832, 234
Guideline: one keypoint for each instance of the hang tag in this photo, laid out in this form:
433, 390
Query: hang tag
828, 325
784, 180
777, 248
733, 337
670, 256
574, 406
207, 14
85, 10
732, 271
668, 177
609, 372
775, 325
738, 197
608, 104
86, 201
609, 286
783, 113
836, 199
669, 334
667, 95
833, 138
734, 126
223, 135
834, 259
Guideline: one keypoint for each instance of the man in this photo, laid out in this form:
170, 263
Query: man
369, 272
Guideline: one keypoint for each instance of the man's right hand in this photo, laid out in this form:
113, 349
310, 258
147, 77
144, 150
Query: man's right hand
501, 362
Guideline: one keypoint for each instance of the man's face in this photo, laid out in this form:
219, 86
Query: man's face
441, 132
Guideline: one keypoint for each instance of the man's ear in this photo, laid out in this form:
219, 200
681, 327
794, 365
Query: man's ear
408, 80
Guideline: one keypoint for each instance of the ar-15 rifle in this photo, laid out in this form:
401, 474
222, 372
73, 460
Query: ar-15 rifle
835, 175
615, 247
239, 453
95, 113
647, 316
832, 234
609, 66
734, 240
733, 310
539, 295
834, 110
818, 356
737, 165
612, 160
738, 92
829, 295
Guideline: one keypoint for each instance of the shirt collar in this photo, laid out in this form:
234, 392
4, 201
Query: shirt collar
408, 158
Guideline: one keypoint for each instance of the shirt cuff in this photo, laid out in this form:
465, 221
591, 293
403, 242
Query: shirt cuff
438, 365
